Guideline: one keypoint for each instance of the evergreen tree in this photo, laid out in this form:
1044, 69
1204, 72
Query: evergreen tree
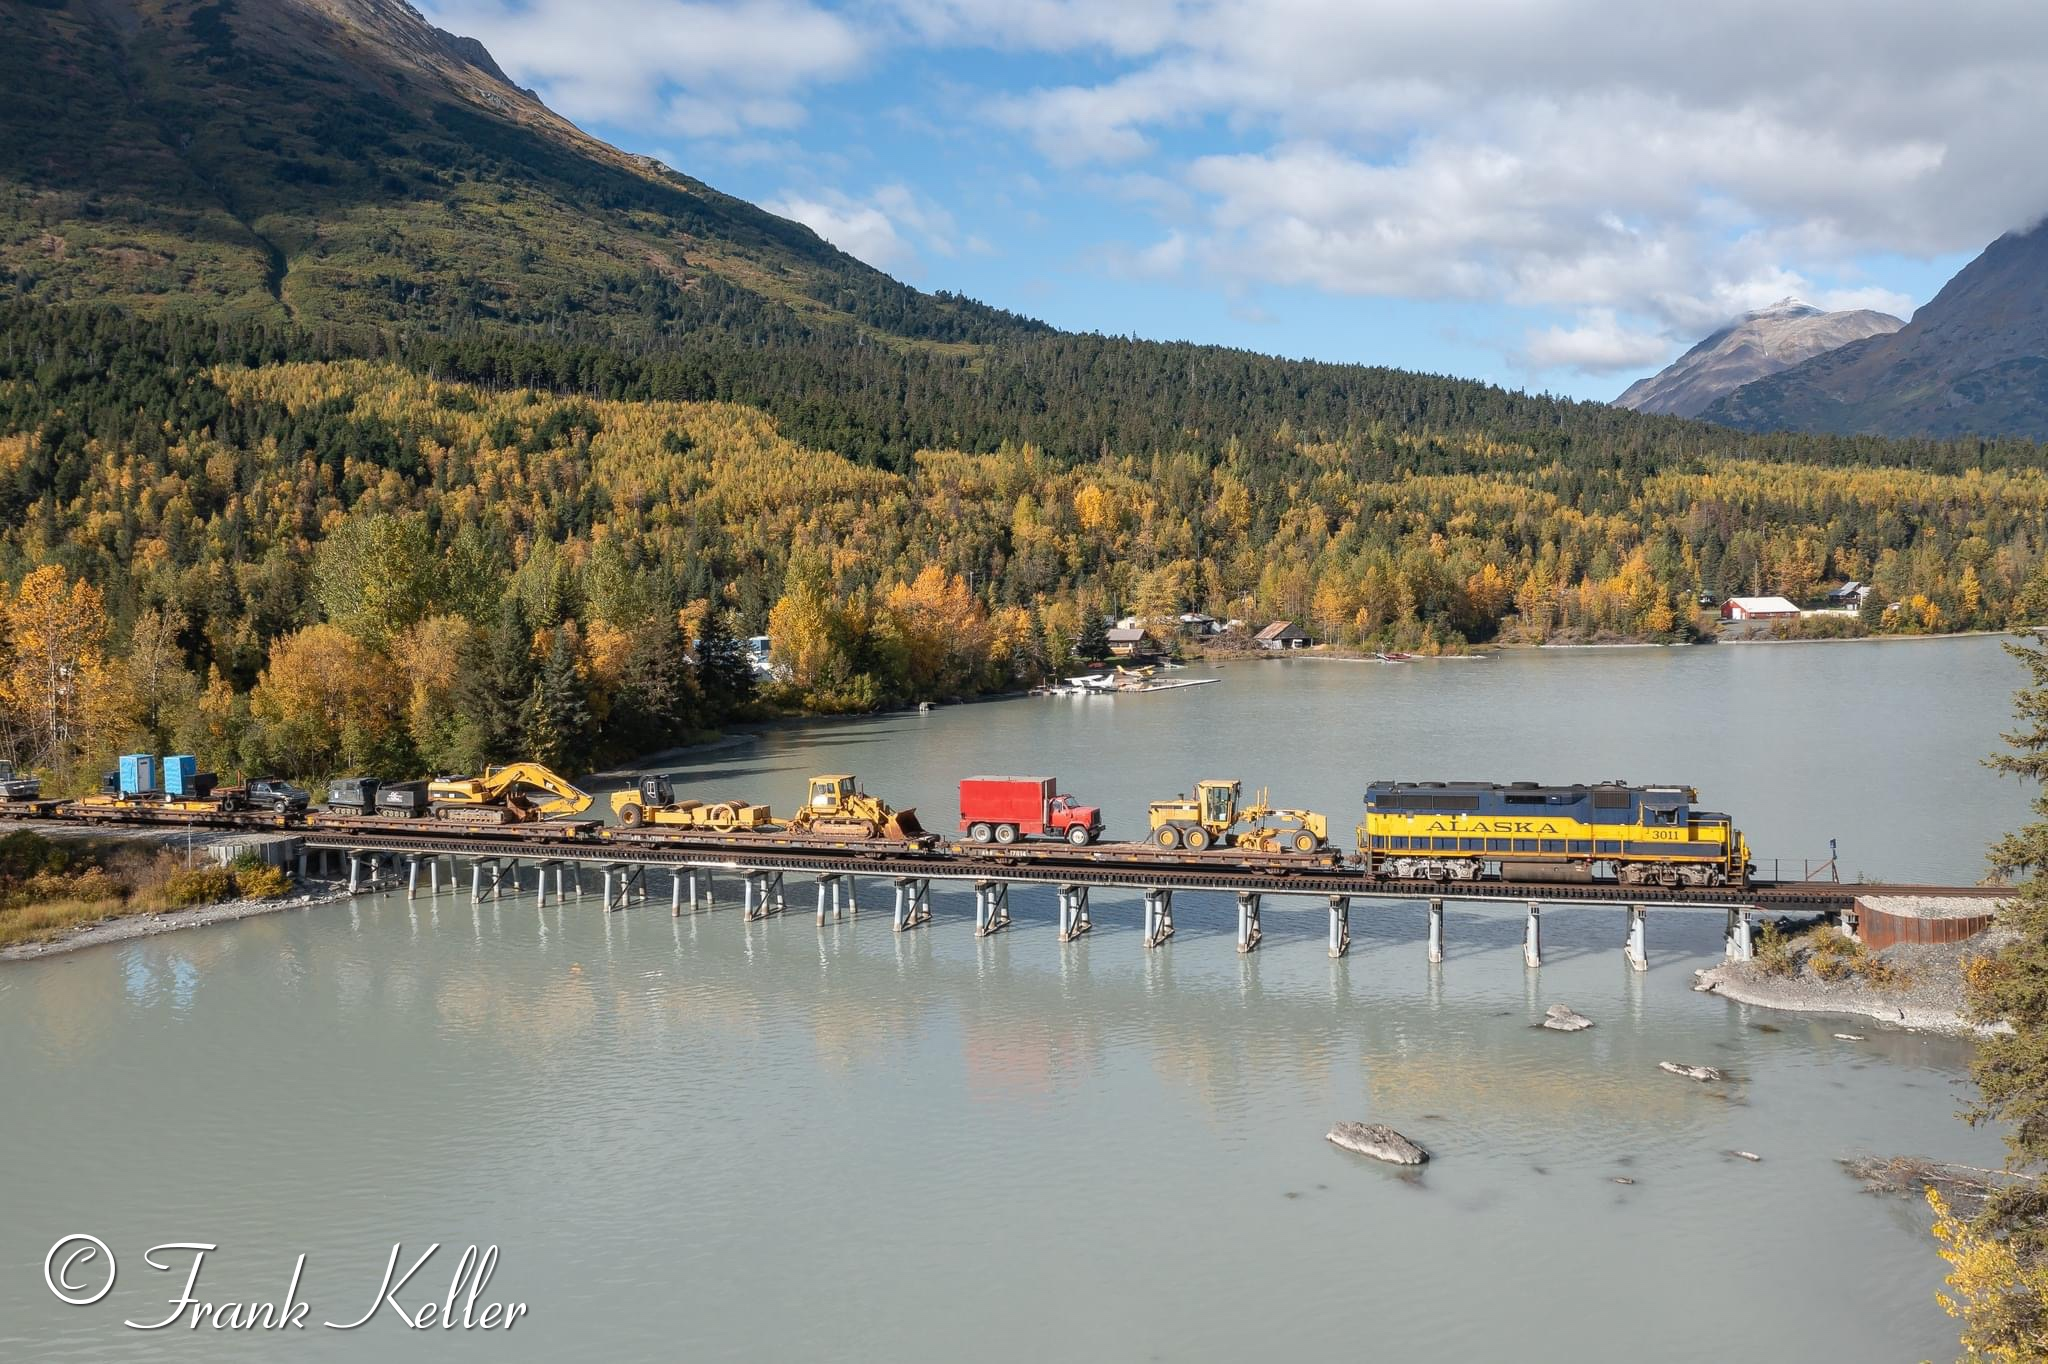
725, 675
2011, 1070
497, 677
1093, 645
1999, 1258
554, 724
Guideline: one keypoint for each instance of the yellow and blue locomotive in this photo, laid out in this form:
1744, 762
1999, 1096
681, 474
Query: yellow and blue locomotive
1522, 831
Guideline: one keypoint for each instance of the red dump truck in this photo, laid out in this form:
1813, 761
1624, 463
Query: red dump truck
1003, 809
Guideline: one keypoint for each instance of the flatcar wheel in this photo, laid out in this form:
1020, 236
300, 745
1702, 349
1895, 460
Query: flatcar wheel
1198, 839
981, 833
1167, 836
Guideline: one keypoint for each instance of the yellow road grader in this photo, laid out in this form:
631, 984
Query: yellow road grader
1211, 818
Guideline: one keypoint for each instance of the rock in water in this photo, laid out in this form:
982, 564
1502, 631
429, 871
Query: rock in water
1848, 1037
1378, 1141
1692, 1072
1750, 1156
1562, 1018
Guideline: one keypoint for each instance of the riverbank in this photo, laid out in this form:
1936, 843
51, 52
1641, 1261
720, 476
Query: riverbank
1929, 999
126, 927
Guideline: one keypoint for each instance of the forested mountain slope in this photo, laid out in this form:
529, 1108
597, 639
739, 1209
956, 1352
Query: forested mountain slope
343, 163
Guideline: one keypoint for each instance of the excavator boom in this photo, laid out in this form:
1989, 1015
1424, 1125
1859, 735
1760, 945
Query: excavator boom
513, 793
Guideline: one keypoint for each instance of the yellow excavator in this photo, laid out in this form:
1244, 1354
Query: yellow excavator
1211, 819
654, 802
836, 806
517, 793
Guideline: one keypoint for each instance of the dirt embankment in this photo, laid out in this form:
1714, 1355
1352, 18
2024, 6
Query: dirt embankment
1924, 989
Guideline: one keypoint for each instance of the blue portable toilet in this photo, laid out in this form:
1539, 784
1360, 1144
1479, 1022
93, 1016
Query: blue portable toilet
180, 771
138, 773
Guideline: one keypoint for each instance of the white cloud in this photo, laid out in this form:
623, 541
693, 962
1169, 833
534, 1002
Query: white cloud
1642, 172
1599, 343
889, 229
1675, 165
697, 67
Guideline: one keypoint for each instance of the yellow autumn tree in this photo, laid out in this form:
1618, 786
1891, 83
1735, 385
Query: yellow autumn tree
326, 701
942, 630
59, 691
2000, 1296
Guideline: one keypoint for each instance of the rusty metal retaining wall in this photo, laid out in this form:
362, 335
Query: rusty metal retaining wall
1880, 928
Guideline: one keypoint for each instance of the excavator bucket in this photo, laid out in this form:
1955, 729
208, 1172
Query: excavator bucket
903, 824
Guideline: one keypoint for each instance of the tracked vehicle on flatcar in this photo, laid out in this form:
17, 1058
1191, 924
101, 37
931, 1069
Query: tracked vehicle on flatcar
1522, 831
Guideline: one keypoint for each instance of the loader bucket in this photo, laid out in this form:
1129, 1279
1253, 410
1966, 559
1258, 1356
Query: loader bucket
903, 824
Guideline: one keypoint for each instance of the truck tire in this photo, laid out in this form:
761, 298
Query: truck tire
1079, 836
1198, 840
1006, 834
981, 833
1166, 836
632, 815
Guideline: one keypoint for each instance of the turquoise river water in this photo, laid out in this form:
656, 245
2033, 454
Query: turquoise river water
699, 1139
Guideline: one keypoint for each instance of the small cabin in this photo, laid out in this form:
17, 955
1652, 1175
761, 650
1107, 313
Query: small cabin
1128, 642
1282, 634
1758, 608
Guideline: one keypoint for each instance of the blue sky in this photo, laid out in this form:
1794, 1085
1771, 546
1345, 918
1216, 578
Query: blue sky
1547, 194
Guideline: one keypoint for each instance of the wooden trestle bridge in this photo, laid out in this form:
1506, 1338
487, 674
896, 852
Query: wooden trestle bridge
495, 860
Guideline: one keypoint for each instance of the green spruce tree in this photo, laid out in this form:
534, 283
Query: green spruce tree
554, 724
2011, 1069
725, 675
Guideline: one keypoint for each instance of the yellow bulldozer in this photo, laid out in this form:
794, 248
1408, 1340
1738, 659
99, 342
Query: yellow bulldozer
517, 793
1212, 819
653, 802
836, 806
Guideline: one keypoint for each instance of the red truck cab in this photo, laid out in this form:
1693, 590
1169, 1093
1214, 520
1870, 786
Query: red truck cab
1004, 809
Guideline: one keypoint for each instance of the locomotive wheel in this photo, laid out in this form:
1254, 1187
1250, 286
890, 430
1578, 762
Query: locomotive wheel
981, 833
1167, 836
632, 815
1198, 839
1006, 834
1078, 836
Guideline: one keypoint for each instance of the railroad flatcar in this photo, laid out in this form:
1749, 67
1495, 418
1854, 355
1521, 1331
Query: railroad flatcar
1522, 831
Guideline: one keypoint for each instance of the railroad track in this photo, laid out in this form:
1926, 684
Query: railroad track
1144, 869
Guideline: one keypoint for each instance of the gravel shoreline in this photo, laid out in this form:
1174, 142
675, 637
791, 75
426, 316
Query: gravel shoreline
133, 926
1932, 1002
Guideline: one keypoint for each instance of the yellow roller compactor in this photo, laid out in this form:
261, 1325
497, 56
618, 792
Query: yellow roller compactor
518, 793
653, 802
1212, 819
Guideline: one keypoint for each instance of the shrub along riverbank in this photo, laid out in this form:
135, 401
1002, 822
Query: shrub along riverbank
51, 887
